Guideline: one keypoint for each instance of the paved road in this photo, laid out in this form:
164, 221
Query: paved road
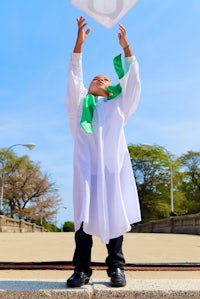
138, 248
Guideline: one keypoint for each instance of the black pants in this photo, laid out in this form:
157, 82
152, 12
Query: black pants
82, 254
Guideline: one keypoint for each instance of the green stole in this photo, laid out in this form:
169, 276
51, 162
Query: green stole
89, 103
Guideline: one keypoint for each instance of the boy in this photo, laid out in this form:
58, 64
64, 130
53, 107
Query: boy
105, 195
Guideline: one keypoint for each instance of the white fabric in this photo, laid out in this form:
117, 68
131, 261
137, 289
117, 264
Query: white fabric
105, 195
106, 12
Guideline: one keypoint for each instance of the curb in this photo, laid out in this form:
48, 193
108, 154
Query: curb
99, 289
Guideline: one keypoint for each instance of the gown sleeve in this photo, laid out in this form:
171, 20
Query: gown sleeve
75, 89
131, 87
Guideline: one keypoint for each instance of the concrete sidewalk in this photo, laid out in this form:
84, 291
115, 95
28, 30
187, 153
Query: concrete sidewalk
138, 248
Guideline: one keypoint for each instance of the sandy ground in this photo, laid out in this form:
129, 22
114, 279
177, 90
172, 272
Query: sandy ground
138, 248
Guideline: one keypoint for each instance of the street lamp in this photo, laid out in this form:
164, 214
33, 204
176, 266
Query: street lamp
41, 215
172, 213
30, 146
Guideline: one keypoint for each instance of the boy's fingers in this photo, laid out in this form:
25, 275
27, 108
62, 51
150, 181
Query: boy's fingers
87, 31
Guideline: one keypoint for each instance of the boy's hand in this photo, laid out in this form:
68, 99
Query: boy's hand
82, 34
123, 41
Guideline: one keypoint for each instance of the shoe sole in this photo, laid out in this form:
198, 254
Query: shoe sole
77, 285
117, 284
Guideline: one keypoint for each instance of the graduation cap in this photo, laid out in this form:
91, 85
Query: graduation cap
105, 12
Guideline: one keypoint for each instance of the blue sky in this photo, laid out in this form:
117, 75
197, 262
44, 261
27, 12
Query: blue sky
37, 37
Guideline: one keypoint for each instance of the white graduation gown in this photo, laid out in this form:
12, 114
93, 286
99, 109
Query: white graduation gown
104, 194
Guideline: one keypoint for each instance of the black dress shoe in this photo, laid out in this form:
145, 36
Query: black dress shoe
117, 278
78, 279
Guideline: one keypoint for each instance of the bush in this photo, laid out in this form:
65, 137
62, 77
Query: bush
68, 226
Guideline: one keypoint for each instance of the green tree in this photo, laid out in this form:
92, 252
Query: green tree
51, 227
152, 171
68, 226
191, 180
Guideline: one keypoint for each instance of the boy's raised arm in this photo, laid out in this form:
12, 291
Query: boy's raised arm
123, 41
81, 35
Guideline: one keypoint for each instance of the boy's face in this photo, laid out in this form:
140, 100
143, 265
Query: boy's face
98, 86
